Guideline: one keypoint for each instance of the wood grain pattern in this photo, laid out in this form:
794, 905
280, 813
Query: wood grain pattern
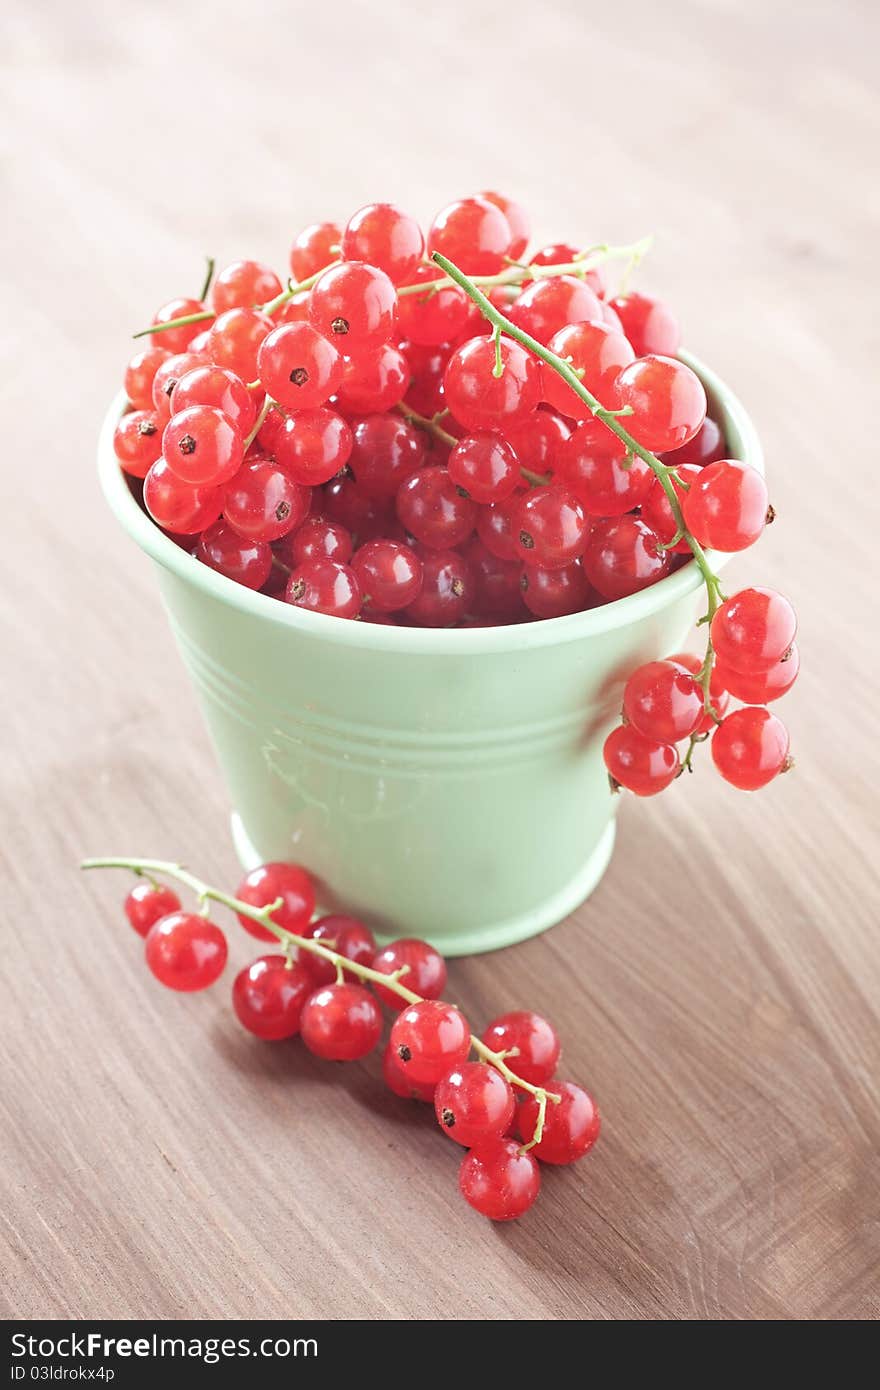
720, 991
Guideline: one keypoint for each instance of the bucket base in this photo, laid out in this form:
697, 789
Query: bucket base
493, 936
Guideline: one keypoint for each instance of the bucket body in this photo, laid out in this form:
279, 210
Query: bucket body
443, 784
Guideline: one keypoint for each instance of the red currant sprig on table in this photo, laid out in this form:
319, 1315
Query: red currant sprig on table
317, 987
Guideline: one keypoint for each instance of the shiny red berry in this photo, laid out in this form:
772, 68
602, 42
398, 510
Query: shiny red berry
177, 506
752, 630
498, 1180
657, 511
571, 1126
390, 575
347, 936
485, 467
550, 527
244, 284
263, 503
185, 951
622, 555
384, 236
316, 539
478, 399
663, 702
596, 353
314, 248
245, 561
649, 324
324, 586
546, 306
430, 1038
202, 446
719, 697
555, 593
341, 1023
425, 975
431, 508
268, 997
312, 446
235, 338
266, 883
536, 1041
354, 306
517, 221
437, 316
668, 402
137, 442
726, 507
177, 339
448, 589
474, 234
298, 366
401, 1083
760, 687
373, 381
474, 1102
139, 374
385, 451
642, 765
218, 387
147, 902
601, 475
750, 748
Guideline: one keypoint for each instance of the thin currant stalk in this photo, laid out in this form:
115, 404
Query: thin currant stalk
258, 423
612, 419
208, 315
517, 274
432, 424
209, 276
205, 893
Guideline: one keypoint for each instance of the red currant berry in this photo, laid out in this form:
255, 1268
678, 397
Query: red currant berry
323, 586
433, 510
185, 951
390, 575
550, 527
139, 376
244, 284
546, 306
312, 446
571, 1126
448, 589
623, 555
199, 343
224, 550
137, 442
177, 339
315, 247
425, 366
498, 1180
517, 221
485, 467
437, 316
430, 1038
473, 1103
538, 439
345, 502
341, 1023
726, 507
596, 353
474, 234
649, 324
316, 540
425, 973
376, 380
168, 374
268, 997
657, 513
667, 399
263, 502
481, 401
760, 687
386, 450
497, 594
401, 1083
348, 937
561, 253
600, 475
235, 339
719, 697
537, 1044
495, 527
753, 630
298, 366
178, 506
555, 593
387, 238
220, 388
354, 306
707, 446
641, 765
147, 902
663, 702
267, 883
750, 748
202, 446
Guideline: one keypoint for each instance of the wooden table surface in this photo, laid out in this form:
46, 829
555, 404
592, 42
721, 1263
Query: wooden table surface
720, 990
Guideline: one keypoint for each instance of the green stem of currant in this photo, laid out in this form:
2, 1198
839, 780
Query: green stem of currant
518, 274
209, 276
610, 418
430, 423
263, 915
258, 423
293, 287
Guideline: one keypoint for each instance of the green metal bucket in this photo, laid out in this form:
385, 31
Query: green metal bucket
444, 784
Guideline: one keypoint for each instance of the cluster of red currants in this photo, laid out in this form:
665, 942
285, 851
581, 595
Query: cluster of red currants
506, 1109
363, 444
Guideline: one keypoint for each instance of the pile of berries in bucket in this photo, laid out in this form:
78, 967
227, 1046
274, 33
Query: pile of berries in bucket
506, 1108
450, 430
